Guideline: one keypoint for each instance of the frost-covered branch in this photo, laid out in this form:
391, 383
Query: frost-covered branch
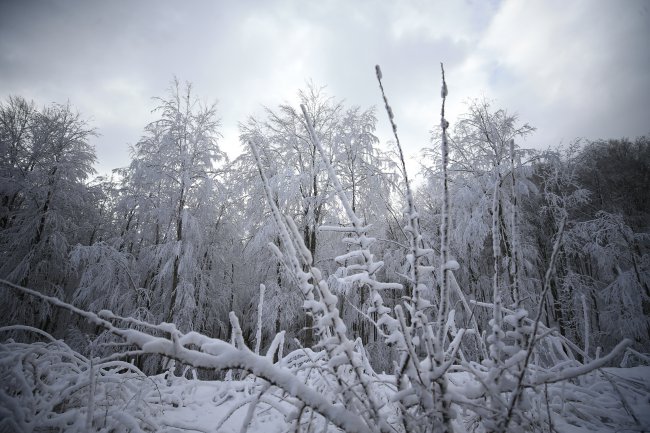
330, 326
218, 355
366, 274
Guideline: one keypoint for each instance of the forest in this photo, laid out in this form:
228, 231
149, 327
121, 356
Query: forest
312, 283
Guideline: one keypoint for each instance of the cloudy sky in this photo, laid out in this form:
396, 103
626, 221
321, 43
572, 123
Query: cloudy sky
570, 68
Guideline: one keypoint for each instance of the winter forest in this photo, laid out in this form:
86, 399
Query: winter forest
314, 283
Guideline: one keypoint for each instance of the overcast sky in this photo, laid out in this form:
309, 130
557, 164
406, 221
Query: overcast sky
570, 68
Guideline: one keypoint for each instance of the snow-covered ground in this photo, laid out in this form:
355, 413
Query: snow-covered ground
224, 406
49, 387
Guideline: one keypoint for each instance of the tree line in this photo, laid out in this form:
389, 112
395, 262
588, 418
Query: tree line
182, 234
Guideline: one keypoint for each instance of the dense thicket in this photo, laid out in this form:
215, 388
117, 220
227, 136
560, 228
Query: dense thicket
181, 234
47, 205
315, 207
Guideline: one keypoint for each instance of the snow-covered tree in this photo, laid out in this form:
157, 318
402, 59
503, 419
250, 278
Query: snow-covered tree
174, 161
302, 187
600, 291
167, 215
489, 178
46, 203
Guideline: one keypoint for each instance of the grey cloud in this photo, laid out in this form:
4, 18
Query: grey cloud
110, 58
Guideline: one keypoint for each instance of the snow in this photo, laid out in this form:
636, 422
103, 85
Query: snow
458, 364
451, 265
268, 401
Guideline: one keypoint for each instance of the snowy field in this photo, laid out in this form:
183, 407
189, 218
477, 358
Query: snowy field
47, 386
